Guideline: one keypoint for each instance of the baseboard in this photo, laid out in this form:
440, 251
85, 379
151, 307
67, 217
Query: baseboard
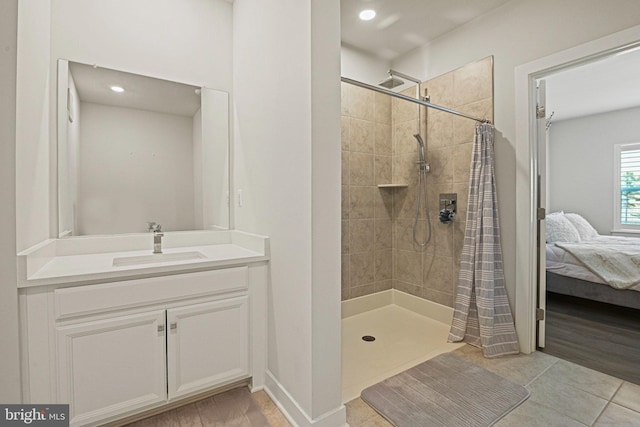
295, 414
438, 312
365, 303
433, 310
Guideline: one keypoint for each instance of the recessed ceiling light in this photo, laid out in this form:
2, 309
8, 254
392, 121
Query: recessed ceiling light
118, 89
367, 14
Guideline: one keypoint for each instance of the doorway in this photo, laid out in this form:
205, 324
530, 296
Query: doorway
528, 163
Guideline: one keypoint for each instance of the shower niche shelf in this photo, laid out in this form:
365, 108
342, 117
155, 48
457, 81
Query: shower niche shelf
393, 185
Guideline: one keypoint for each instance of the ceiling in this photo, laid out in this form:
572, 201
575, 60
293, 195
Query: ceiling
610, 84
141, 92
402, 25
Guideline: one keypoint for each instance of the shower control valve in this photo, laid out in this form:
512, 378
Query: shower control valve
448, 204
446, 216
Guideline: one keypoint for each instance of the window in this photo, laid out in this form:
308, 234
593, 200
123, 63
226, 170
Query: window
627, 191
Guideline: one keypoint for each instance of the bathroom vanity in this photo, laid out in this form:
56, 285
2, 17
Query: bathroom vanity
114, 330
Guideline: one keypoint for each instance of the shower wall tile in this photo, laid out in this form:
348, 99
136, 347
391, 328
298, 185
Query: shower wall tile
449, 141
464, 129
361, 202
382, 169
383, 204
437, 273
360, 235
345, 167
383, 285
473, 82
462, 190
366, 162
408, 288
361, 169
346, 202
408, 267
344, 99
439, 129
405, 202
436, 296
359, 291
403, 111
382, 234
383, 265
361, 103
382, 108
461, 162
442, 236
345, 276
378, 247
383, 140
344, 135
361, 136
458, 237
361, 269
440, 90
403, 132
405, 170
441, 166
345, 236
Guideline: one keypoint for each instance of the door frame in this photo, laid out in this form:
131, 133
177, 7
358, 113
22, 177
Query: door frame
526, 298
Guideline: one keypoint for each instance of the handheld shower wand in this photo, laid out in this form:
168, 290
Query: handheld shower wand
423, 168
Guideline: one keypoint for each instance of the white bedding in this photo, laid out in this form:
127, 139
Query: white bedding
561, 262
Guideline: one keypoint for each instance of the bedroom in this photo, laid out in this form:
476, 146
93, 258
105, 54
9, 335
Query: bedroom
592, 255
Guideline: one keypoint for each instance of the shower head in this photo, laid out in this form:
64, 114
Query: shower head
391, 82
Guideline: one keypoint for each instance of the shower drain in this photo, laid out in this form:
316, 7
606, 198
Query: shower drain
368, 338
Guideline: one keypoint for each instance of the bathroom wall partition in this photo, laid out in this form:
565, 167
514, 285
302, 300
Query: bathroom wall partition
429, 272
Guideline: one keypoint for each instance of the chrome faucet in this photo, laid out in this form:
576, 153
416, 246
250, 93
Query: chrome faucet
156, 229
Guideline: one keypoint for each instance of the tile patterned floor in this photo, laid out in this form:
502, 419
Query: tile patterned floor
237, 407
562, 394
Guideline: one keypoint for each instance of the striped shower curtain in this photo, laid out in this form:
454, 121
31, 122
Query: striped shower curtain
482, 315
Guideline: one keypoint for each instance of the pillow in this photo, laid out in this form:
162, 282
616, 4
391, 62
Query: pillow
585, 230
560, 229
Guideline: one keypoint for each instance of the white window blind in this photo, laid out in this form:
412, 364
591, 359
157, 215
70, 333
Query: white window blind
628, 186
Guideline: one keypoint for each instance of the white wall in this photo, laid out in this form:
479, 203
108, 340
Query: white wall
287, 163
517, 33
9, 350
362, 66
580, 163
188, 41
33, 139
135, 166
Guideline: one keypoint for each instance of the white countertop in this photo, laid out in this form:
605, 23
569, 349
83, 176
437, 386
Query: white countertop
84, 268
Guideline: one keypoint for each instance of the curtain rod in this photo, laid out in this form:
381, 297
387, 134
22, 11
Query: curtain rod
410, 99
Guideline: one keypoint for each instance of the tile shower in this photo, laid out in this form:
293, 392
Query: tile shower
378, 147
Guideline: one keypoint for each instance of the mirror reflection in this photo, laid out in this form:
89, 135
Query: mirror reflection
134, 150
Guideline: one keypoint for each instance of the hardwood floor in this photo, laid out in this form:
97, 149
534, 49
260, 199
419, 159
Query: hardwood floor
599, 336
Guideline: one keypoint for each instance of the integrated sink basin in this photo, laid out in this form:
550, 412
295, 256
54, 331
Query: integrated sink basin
156, 258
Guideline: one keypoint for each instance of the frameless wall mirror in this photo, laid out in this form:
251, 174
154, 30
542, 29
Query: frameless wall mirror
134, 149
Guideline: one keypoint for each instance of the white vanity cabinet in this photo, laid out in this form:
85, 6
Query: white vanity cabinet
110, 366
207, 344
111, 350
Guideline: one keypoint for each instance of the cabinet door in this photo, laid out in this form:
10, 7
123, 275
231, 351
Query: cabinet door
207, 345
112, 366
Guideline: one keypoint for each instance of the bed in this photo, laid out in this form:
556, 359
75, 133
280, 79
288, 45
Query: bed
582, 263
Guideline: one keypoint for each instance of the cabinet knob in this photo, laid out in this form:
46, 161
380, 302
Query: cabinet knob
160, 328
173, 325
